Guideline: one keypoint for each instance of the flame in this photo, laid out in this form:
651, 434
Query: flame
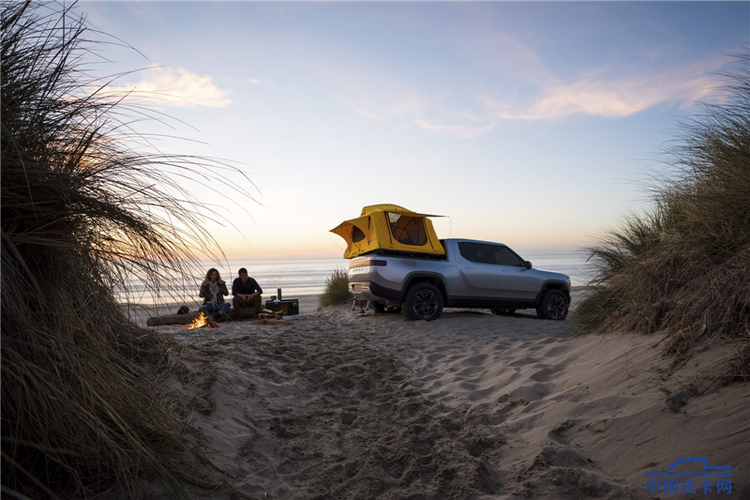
200, 322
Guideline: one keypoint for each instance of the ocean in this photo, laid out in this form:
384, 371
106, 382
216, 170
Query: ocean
307, 276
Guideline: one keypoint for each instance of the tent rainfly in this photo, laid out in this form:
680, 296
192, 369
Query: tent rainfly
389, 227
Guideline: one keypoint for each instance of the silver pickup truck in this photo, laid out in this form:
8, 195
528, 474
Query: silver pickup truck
473, 274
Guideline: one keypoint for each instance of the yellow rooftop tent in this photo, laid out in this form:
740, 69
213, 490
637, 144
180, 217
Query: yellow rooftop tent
389, 227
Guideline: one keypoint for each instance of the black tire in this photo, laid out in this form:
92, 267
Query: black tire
503, 311
381, 308
554, 305
423, 301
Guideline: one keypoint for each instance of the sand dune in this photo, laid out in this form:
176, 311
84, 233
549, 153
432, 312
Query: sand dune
346, 405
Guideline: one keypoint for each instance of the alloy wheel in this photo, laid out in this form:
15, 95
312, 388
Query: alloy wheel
556, 306
425, 303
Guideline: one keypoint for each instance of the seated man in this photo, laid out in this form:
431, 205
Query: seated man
246, 293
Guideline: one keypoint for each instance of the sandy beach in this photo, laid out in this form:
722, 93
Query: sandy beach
339, 404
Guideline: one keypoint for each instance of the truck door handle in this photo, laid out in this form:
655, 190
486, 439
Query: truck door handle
469, 268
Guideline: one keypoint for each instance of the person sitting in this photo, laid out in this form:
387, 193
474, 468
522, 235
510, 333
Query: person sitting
212, 291
246, 293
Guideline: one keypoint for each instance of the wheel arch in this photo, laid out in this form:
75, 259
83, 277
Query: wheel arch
554, 284
432, 278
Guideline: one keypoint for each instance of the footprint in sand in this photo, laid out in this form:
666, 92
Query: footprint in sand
533, 392
472, 370
480, 394
524, 362
554, 351
542, 375
467, 386
559, 432
497, 417
349, 416
475, 360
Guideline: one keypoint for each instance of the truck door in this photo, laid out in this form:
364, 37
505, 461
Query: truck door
479, 275
514, 280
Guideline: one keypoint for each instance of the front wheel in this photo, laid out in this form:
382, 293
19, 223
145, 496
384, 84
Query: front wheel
554, 305
423, 301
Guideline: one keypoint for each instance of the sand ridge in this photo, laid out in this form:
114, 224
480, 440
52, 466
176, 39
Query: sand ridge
344, 405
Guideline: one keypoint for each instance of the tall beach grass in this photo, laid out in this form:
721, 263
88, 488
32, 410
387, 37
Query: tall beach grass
684, 267
83, 209
337, 289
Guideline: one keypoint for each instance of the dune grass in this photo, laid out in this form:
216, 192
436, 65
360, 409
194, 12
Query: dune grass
684, 267
337, 289
82, 210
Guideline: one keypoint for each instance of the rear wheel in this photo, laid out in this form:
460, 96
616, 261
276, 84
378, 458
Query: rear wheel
423, 301
554, 305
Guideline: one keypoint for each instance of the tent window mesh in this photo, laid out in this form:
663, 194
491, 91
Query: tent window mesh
357, 234
408, 230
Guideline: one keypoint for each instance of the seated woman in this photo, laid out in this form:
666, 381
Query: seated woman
212, 291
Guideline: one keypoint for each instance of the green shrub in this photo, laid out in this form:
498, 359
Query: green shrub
337, 289
684, 267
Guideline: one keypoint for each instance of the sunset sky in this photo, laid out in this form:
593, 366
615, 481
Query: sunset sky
532, 124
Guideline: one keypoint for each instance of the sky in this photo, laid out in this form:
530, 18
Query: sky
535, 124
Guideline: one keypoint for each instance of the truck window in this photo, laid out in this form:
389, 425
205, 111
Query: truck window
474, 252
504, 256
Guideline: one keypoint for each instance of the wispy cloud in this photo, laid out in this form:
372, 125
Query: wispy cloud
614, 91
374, 95
608, 97
494, 76
380, 108
175, 87
607, 93
460, 131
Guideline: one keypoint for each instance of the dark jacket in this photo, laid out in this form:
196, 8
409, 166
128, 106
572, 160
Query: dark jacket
248, 287
206, 293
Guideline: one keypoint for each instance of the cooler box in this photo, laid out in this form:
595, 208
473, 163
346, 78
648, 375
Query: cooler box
288, 307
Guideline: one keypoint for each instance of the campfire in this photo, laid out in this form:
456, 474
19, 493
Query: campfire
202, 321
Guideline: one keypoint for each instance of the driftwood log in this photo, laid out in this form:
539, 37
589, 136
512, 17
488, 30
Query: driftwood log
172, 319
186, 319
